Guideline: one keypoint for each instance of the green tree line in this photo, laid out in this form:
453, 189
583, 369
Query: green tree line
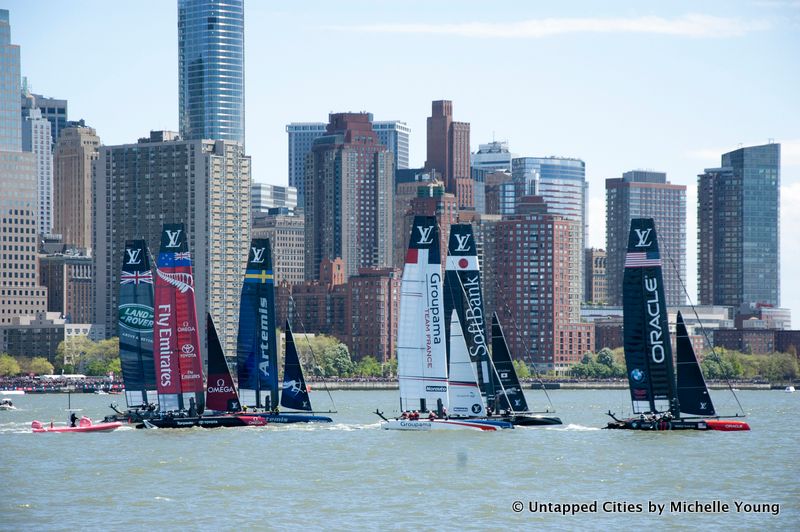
89, 357
325, 356
11, 366
717, 364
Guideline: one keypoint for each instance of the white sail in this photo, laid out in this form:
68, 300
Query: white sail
465, 395
421, 354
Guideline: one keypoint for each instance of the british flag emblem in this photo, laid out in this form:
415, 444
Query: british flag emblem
183, 255
136, 277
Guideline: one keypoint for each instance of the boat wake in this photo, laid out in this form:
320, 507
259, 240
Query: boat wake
573, 427
15, 428
311, 427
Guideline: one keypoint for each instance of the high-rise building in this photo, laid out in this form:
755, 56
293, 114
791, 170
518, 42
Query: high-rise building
448, 152
646, 194
738, 234
211, 69
349, 197
20, 292
204, 184
70, 281
264, 197
287, 237
537, 302
10, 115
76, 151
301, 137
562, 183
36, 139
595, 277
52, 109
393, 134
493, 157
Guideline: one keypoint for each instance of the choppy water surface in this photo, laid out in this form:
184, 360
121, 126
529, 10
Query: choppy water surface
353, 475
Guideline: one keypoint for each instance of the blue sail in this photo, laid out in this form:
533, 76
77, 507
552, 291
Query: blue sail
295, 393
257, 346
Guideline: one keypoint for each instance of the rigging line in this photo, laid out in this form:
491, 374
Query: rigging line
716, 357
491, 362
525, 345
310, 349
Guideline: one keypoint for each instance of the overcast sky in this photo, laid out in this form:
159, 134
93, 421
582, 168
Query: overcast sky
668, 86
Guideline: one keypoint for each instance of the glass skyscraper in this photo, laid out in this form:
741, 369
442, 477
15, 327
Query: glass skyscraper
738, 215
10, 117
211, 65
562, 183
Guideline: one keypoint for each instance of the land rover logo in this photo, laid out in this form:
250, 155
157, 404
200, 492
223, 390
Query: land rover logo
136, 316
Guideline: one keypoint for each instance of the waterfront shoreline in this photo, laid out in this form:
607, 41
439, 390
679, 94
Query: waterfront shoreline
393, 385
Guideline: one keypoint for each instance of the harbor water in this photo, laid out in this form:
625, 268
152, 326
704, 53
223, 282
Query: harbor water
353, 475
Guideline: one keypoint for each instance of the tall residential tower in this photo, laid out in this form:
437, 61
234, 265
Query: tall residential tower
349, 197
448, 152
646, 194
211, 69
738, 236
204, 184
393, 134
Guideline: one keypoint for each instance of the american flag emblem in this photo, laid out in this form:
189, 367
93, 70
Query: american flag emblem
642, 259
184, 255
136, 277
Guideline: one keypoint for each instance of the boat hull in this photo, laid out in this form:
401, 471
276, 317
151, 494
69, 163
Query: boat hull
444, 424
271, 418
725, 425
208, 422
38, 427
531, 420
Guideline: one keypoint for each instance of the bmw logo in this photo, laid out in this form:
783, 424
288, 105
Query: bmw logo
637, 375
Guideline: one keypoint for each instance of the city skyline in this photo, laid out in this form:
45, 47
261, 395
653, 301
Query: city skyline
629, 88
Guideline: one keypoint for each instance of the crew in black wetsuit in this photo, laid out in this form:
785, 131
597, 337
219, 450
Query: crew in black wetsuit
72, 419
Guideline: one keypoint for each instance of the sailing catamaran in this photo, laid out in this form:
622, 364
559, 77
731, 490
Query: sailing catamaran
657, 397
135, 330
257, 348
421, 350
499, 385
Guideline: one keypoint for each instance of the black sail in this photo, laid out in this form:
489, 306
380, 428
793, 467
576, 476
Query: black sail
648, 352
509, 394
693, 394
135, 325
295, 391
463, 292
